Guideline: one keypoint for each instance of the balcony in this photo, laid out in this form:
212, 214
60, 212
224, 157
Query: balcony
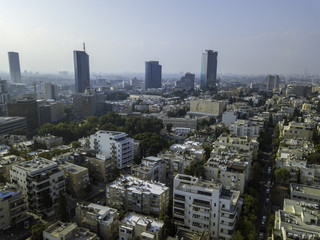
179, 205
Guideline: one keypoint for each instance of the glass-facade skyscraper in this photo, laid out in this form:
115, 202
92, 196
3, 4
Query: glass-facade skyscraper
81, 71
153, 75
14, 65
208, 79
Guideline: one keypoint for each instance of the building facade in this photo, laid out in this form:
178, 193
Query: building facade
14, 65
41, 181
81, 71
208, 79
153, 72
12, 206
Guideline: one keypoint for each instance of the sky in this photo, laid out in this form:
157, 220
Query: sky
251, 37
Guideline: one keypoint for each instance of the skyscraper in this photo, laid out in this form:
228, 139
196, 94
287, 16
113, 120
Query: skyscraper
272, 83
14, 65
153, 75
208, 78
81, 71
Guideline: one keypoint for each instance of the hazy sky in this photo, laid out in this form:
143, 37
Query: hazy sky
252, 37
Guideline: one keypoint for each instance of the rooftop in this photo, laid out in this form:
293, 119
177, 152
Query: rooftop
139, 186
151, 224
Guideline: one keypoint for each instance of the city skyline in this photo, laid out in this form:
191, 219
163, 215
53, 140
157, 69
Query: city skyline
174, 33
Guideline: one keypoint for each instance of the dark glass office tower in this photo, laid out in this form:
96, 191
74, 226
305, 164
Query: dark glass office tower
14, 65
208, 78
153, 75
81, 71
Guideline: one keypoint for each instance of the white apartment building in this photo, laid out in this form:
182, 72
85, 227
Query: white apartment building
202, 205
39, 179
246, 128
132, 194
116, 145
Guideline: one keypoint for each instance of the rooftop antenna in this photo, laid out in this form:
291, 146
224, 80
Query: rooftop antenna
84, 47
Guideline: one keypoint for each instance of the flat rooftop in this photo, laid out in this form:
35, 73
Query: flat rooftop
152, 224
139, 186
309, 190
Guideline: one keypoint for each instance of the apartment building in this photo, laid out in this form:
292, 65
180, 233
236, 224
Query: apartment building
150, 169
176, 162
102, 220
40, 180
132, 194
202, 205
297, 220
246, 128
102, 167
116, 145
232, 173
67, 231
12, 206
133, 226
77, 178
297, 130
191, 123
309, 194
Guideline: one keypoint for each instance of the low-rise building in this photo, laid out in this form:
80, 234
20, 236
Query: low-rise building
202, 205
67, 231
41, 181
132, 194
116, 145
181, 122
101, 167
144, 227
49, 140
12, 206
297, 220
150, 169
101, 220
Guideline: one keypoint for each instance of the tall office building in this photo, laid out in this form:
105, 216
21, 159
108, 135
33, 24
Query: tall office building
153, 75
208, 78
81, 71
14, 64
272, 82
51, 91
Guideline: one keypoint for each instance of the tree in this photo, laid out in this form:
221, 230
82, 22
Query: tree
238, 236
281, 175
169, 127
76, 144
62, 210
37, 231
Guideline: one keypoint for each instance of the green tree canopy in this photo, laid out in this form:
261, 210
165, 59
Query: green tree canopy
281, 175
